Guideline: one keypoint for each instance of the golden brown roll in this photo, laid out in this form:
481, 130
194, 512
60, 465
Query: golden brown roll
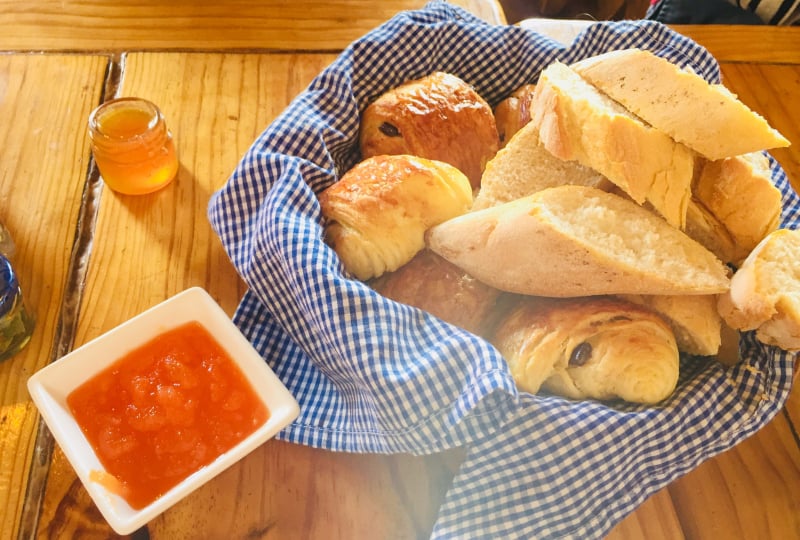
437, 117
513, 112
378, 212
439, 287
593, 347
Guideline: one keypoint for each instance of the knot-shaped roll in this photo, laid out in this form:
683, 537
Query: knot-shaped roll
589, 348
378, 212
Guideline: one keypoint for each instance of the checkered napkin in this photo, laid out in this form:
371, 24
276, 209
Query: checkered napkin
375, 376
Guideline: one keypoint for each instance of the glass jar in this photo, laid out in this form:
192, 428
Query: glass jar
16, 322
132, 147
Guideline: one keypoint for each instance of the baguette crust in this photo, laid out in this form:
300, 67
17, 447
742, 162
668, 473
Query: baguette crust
577, 122
739, 192
577, 241
707, 118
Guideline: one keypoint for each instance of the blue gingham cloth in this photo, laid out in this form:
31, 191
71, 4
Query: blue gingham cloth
375, 376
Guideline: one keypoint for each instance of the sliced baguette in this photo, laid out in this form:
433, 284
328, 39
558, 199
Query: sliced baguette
705, 117
577, 122
524, 167
570, 241
739, 192
765, 292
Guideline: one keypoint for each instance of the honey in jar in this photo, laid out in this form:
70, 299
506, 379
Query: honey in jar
132, 147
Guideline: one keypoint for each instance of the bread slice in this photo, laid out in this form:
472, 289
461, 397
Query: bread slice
577, 122
577, 241
704, 227
705, 117
765, 292
524, 167
739, 192
693, 319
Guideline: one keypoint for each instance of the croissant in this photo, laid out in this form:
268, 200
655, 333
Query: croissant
378, 212
439, 287
437, 117
589, 348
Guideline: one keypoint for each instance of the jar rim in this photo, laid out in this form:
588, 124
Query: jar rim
96, 117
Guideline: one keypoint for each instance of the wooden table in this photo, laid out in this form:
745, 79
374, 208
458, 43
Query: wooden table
89, 259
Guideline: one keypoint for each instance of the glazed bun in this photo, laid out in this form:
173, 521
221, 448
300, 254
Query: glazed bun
437, 117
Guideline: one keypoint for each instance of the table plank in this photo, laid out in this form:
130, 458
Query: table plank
43, 161
772, 91
749, 491
48, 25
758, 43
142, 260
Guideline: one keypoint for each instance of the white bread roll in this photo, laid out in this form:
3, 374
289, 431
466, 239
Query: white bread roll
739, 192
577, 241
524, 167
707, 118
765, 292
596, 348
577, 122
377, 213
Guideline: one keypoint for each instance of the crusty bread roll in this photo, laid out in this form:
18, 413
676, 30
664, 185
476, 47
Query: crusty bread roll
693, 318
576, 121
707, 118
524, 166
597, 348
377, 213
765, 292
437, 286
577, 241
437, 117
739, 192
513, 112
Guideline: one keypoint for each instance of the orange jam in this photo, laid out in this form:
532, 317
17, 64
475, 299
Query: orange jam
132, 147
163, 411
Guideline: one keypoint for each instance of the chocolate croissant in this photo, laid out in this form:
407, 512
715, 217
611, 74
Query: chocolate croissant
431, 283
437, 117
378, 212
589, 348
513, 112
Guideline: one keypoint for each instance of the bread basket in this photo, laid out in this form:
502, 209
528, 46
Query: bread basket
375, 376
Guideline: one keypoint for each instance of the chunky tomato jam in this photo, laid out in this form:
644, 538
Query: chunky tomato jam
165, 410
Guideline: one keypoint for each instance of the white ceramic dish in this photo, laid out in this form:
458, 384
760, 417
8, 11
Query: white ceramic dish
50, 387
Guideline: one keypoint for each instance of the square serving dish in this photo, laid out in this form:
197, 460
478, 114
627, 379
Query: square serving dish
50, 387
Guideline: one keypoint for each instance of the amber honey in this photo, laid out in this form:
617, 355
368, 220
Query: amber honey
132, 147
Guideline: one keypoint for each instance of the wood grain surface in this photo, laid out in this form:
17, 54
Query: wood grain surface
43, 160
111, 25
216, 104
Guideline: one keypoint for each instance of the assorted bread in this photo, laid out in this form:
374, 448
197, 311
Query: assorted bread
578, 227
